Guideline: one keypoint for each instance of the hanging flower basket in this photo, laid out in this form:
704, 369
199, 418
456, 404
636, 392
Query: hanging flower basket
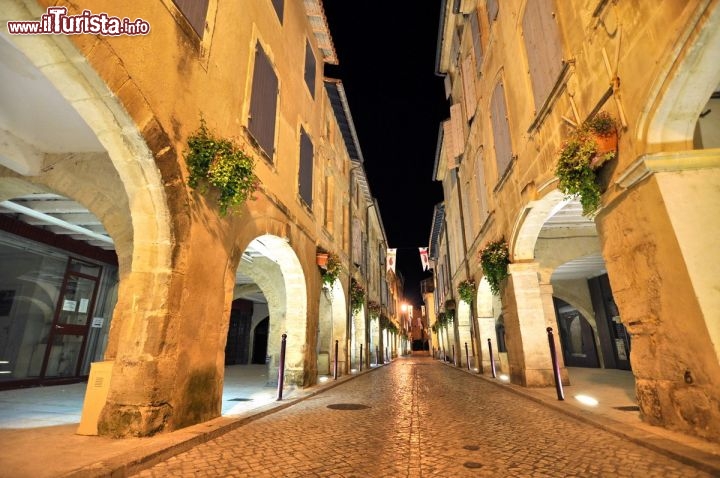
494, 259
331, 270
588, 148
357, 296
373, 309
322, 259
466, 291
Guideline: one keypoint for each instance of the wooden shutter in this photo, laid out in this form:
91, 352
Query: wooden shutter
543, 47
480, 187
492, 10
310, 69
476, 39
457, 128
356, 242
468, 79
279, 6
263, 103
195, 11
501, 130
305, 172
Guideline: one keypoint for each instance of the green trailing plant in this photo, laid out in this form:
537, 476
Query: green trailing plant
466, 291
357, 296
580, 155
494, 259
373, 309
332, 270
441, 319
222, 164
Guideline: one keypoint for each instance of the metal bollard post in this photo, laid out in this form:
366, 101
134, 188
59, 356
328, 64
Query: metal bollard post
377, 355
556, 366
387, 357
492, 359
361, 360
281, 369
336, 360
454, 361
467, 356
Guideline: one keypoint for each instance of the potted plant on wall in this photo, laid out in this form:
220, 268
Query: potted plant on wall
373, 309
588, 148
331, 270
494, 259
466, 291
357, 296
222, 164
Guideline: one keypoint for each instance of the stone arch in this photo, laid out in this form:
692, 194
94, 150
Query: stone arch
530, 221
359, 337
683, 88
274, 266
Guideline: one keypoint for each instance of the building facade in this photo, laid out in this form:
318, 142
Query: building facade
628, 285
114, 258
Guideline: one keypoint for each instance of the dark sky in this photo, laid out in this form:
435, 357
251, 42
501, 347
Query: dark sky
386, 51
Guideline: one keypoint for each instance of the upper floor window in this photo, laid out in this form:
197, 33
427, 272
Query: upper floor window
263, 103
195, 11
477, 45
279, 6
543, 47
493, 7
501, 130
305, 171
310, 69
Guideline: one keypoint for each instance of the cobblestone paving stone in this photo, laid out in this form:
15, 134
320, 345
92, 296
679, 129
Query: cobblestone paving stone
424, 420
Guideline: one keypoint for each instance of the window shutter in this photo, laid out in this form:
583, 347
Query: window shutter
310, 69
480, 187
279, 6
492, 10
305, 173
263, 103
543, 47
357, 242
468, 77
476, 39
457, 128
195, 11
501, 130
448, 141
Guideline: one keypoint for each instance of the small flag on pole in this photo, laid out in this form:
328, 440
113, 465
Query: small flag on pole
424, 258
391, 259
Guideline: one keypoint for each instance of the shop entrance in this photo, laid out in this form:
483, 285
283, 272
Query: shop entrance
71, 322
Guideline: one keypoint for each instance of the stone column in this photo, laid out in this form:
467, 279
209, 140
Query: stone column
464, 333
524, 310
660, 243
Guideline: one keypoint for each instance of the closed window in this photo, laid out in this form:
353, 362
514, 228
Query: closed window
501, 130
543, 47
492, 10
305, 172
310, 69
279, 6
263, 103
477, 45
195, 11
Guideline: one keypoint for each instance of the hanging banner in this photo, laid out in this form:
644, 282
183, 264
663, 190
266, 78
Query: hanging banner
424, 258
391, 258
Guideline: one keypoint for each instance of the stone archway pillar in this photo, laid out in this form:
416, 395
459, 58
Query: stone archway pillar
527, 305
660, 243
464, 333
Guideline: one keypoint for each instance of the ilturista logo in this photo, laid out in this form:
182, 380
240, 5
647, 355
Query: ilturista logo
57, 22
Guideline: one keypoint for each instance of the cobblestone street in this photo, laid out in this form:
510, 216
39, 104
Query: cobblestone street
422, 419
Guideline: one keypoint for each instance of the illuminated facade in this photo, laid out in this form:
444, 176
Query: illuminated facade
630, 286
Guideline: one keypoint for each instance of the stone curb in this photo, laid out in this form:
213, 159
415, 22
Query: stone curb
678, 451
179, 441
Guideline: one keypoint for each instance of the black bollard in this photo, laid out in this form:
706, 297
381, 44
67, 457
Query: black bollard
492, 359
454, 361
281, 369
336, 360
467, 356
556, 367
361, 360
377, 355
387, 357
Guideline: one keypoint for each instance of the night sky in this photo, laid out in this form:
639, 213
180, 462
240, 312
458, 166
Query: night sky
386, 51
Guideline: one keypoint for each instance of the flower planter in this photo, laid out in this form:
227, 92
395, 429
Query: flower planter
322, 259
603, 146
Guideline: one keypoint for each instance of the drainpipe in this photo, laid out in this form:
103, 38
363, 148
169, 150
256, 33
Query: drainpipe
367, 281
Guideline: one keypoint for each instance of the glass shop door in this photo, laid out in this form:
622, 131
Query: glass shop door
71, 323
